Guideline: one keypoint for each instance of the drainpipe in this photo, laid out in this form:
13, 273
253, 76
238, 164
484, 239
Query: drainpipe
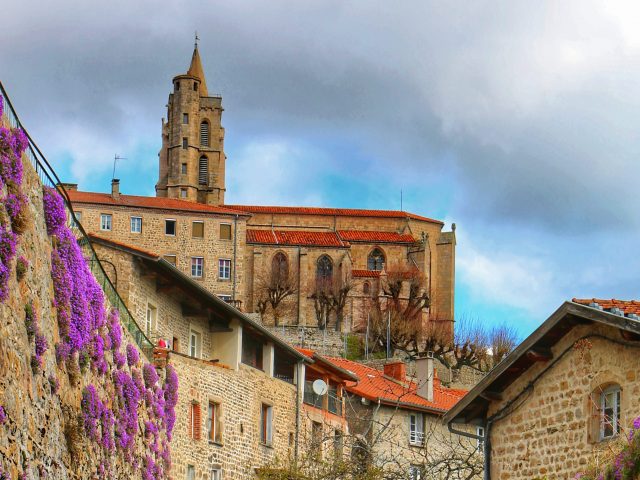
235, 249
300, 383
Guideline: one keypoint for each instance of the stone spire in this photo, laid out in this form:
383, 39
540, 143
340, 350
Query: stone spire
196, 70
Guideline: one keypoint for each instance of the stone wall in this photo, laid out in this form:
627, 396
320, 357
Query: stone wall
552, 430
325, 342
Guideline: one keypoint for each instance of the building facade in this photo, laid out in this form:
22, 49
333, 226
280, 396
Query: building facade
269, 260
564, 400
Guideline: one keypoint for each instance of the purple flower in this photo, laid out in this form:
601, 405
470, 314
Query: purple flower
132, 355
3, 415
92, 409
119, 358
150, 375
55, 214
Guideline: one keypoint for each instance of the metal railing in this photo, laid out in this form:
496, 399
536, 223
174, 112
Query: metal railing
49, 178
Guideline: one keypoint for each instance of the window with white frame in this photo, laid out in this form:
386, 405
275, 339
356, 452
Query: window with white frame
195, 344
191, 472
226, 298
105, 222
415, 472
610, 412
136, 224
224, 269
214, 430
480, 441
184, 193
170, 227
416, 429
150, 320
78, 218
216, 474
197, 266
266, 424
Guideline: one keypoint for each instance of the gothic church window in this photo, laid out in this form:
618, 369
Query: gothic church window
375, 261
280, 267
204, 134
203, 170
324, 269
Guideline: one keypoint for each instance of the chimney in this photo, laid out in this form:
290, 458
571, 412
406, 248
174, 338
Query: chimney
396, 370
425, 376
115, 188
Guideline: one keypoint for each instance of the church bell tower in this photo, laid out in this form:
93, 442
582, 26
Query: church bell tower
192, 159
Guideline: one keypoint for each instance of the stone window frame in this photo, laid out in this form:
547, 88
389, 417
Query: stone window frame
195, 258
266, 423
373, 261
103, 217
184, 169
223, 268
216, 472
219, 422
184, 193
230, 231
185, 143
131, 223
185, 118
194, 425
193, 223
191, 472
601, 383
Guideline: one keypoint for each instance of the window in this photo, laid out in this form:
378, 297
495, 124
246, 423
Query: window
337, 443
169, 227
280, 268
194, 421
266, 424
224, 269
225, 231
316, 439
415, 472
197, 229
194, 344
610, 412
150, 320
216, 474
177, 85
366, 288
375, 260
191, 470
480, 441
185, 143
214, 432
185, 118
183, 193
172, 259
105, 222
251, 350
324, 269
203, 171
183, 169
416, 429
136, 224
204, 134
78, 218
197, 264
195, 86
226, 298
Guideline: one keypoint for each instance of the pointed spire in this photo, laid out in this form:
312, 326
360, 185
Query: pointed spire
196, 70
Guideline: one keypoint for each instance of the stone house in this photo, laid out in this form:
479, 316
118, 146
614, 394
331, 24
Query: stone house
396, 422
240, 401
560, 401
231, 249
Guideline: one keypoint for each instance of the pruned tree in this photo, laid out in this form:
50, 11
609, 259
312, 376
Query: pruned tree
275, 285
329, 291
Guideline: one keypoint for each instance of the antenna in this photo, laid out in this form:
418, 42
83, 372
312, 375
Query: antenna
195, 45
116, 157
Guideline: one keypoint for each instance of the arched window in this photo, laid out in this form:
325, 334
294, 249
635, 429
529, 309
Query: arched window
279, 267
375, 261
324, 270
366, 288
203, 171
204, 133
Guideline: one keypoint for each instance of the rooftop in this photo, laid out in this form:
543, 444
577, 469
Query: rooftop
341, 238
626, 306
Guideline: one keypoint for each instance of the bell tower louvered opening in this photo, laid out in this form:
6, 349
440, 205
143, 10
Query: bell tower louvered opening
204, 134
203, 171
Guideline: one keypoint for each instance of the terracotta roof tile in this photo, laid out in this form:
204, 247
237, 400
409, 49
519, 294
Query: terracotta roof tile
374, 385
375, 237
290, 237
365, 273
627, 306
148, 202
340, 212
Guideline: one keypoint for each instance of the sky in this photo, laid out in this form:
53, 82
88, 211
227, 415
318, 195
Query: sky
515, 120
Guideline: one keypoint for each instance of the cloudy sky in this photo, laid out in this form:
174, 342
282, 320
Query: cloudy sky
516, 120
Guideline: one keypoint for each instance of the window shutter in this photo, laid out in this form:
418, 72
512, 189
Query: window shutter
204, 134
196, 420
203, 171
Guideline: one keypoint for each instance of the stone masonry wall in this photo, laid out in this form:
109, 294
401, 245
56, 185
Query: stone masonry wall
552, 431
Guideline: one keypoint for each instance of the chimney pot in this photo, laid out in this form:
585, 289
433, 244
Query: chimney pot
115, 188
397, 370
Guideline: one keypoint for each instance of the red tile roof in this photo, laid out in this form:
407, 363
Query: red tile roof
148, 202
375, 237
627, 306
290, 237
340, 212
365, 273
342, 374
374, 385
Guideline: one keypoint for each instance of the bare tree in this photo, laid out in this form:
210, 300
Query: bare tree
274, 286
330, 295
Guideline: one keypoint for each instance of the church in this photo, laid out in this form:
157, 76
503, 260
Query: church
325, 268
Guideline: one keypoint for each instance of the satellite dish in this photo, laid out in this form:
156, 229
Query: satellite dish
319, 387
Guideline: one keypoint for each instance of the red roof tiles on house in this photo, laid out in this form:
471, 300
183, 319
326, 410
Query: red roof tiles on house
627, 306
290, 237
340, 212
365, 273
375, 237
148, 202
374, 385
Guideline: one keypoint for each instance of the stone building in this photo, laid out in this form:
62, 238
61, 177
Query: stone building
243, 247
560, 401
239, 404
396, 422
